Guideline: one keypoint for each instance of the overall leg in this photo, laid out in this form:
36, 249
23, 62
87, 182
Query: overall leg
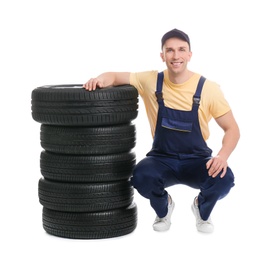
150, 177
212, 190
195, 175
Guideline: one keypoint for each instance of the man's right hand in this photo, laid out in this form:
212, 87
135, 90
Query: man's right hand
92, 84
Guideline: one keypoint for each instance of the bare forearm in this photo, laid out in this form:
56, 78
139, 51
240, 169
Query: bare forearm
218, 164
229, 142
106, 79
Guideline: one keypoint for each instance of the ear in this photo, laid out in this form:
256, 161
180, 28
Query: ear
162, 56
189, 56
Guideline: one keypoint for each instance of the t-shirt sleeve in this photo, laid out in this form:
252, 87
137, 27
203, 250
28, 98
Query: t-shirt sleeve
142, 80
217, 103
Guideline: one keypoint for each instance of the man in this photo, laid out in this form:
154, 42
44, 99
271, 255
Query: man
179, 104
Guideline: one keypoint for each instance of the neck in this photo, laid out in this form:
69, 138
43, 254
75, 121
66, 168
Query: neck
179, 78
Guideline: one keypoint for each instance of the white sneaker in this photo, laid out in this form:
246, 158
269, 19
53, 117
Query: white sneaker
163, 224
204, 226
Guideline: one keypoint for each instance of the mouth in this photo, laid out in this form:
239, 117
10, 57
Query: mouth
176, 63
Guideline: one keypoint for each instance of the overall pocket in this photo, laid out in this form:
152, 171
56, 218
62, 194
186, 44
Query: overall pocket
176, 125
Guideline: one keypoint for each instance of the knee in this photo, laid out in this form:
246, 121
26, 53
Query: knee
229, 178
227, 182
146, 179
140, 178
141, 172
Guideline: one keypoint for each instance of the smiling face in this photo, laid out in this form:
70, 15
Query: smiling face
176, 54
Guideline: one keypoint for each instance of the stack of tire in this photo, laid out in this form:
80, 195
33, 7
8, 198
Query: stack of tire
87, 160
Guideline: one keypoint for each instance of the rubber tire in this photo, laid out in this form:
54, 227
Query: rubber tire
96, 168
84, 197
88, 140
72, 105
97, 225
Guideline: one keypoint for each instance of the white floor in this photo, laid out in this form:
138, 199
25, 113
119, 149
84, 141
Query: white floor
236, 235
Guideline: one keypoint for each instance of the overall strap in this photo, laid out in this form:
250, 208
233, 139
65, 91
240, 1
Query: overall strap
197, 95
159, 84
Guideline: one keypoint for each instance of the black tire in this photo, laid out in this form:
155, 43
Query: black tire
75, 168
88, 140
98, 225
71, 105
87, 197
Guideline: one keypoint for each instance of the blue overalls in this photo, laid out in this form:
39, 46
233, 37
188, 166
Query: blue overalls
178, 156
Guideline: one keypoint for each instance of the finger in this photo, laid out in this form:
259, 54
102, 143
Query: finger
208, 164
95, 84
216, 173
222, 169
99, 84
213, 172
88, 84
215, 169
223, 173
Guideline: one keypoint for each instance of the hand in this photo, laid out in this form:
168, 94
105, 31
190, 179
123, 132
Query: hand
92, 84
215, 165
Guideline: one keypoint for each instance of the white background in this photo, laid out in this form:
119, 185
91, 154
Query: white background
67, 42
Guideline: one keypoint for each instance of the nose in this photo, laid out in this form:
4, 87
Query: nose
176, 54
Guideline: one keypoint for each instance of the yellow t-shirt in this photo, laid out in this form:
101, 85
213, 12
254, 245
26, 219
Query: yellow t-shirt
179, 96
